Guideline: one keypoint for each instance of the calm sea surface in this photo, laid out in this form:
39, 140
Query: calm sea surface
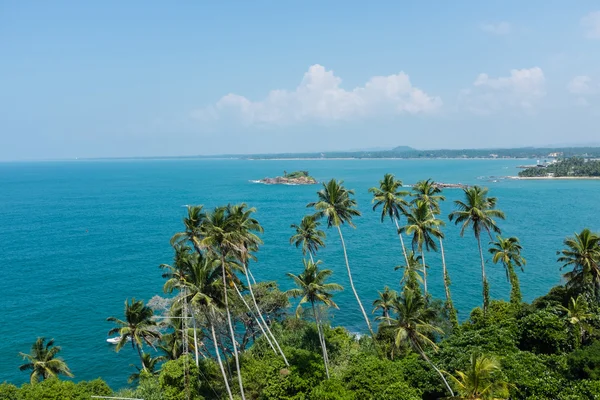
78, 238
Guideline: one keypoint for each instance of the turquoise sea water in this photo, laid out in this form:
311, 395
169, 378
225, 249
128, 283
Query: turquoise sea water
78, 238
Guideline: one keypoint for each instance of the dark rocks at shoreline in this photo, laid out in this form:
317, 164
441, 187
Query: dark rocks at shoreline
280, 180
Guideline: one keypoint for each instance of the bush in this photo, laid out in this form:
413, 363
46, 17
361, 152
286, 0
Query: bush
55, 389
585, 363
543, 332
172, 379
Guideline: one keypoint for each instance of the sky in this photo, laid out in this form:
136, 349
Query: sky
155, 78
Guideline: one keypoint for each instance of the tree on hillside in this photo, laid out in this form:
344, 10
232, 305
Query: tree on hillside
308, 236
42, 361
482, 379
583, 256
508, 252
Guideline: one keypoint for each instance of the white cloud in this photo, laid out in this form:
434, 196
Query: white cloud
522, 89
580, 85
591, 24
499, 28
320, 97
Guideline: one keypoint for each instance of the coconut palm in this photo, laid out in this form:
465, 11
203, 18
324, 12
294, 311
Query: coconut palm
583, 256
412, 326
313, 289
482, 380
411, 278
577, 314
336, 205
478, 212
424, 227
308, 236
42, 361
222, 238
391, 199
508, 252
429, 193
248, 227
138, 327
384, 302
150, 365
192, 223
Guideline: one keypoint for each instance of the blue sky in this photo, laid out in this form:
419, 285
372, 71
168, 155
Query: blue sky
150, 78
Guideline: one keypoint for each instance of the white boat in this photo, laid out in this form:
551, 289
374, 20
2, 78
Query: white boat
115, 340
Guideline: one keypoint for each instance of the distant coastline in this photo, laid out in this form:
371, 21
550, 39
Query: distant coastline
555, 178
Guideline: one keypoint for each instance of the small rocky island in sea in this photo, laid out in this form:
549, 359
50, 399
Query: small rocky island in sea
293, 178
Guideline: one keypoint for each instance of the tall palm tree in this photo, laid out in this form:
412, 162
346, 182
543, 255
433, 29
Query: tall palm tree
508, 252
577, 314
138, 327
192, 223
308, 236
336, 205
313, 289
385, 302
412, 326
411, 277
429, 193
248, 228
42, 361
583, 256
482, 380
222, 238
391, 199
424, 227
478, 212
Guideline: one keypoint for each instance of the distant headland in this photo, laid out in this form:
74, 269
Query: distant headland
567, 168
292, 178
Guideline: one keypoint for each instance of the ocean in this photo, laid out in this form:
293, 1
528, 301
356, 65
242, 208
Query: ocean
77, 238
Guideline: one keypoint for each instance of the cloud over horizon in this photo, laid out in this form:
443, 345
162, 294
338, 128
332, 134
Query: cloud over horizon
522, 89
320, 97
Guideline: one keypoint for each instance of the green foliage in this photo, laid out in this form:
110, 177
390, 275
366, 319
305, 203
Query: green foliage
543, 332
535, 376
574, 166
54, 389
332, 389
585, 363
9, 391
175, 384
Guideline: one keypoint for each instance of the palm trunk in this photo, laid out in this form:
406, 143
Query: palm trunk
401, 241
262, 318
486, 290
424, 273
312, 260
231, 331
515, 288
422, 353
195, 340
321, 340
449, 302
140, 354
255, 317
386, 315
214, 336
352, 284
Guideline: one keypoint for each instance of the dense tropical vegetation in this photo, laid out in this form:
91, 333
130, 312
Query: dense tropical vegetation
220, 334
574, 166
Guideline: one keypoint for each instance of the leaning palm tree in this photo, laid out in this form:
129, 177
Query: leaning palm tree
248, 228
138, 327
411, 277
429, 193
384, 302
391, 199
482, 380
412, 326
424, 227
42, 361
577, 314
222, 238
508, 252
313, 289
583, 256
336, 205
478, 212
308, 236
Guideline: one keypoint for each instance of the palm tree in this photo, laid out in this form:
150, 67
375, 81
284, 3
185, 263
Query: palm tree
423, 226
192, 223
508, 252
411, 277
482, 379
222, 238
577, 314
247, 227
583, 256
392, 203
385, 302
42, 361
149, 366
429, 192
478, 211
308, 236
313, 289
412, 326
138, 327
336, 205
